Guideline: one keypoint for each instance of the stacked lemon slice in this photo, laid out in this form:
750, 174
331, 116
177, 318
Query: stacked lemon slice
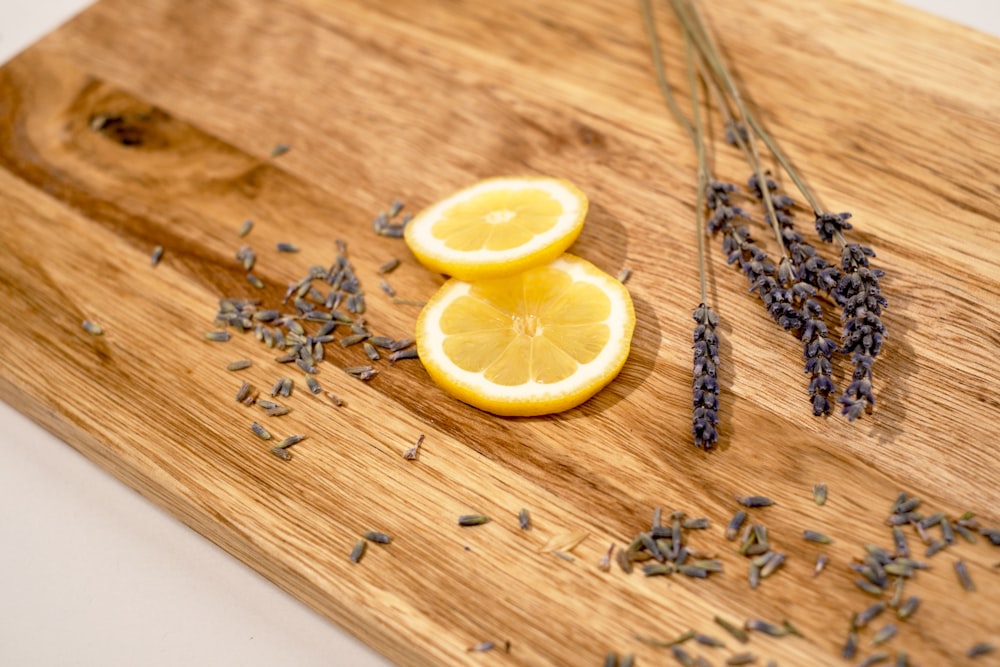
521, 328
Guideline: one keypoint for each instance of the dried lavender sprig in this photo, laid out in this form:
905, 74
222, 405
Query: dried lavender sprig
705, 384
745, 140
741, 249
705, 416
860, 295
705, 381
661, 76
810, 272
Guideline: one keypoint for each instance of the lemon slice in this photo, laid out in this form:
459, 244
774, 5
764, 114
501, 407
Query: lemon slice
498, 226
538, 342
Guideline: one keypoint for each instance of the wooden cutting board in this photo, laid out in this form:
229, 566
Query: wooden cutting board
144, 124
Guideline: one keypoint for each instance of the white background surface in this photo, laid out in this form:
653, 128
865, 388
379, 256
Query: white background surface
93, 574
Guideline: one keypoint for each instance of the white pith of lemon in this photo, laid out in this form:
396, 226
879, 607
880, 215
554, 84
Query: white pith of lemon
541, 341
498, 226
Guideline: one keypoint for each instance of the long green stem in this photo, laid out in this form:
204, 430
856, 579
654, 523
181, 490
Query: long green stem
691, 20
661, 74
786, 164
699, 140
752, 158
695, 132
693, 26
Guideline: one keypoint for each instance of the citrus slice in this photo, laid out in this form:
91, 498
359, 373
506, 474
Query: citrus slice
498, 227
538, 342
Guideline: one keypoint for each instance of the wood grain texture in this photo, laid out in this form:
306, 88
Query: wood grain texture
891, 114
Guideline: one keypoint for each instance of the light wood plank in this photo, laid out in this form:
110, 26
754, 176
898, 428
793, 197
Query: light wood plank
884, 108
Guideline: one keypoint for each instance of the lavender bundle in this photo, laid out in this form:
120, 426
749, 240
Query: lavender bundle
855, 288
792, 285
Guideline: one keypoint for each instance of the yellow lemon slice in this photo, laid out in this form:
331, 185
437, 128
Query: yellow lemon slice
498, 226
534, 343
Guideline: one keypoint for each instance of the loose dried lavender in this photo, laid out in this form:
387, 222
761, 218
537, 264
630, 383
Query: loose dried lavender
884, 634
383, 224
666, 545
413, 452
377, 537
472, 520
984, 648
358, 552
865, 617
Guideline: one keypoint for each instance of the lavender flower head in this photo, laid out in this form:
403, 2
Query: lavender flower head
705, 383
741, 249
806, 272
816, 348
717, 194
830, 225
860, 296
736, 132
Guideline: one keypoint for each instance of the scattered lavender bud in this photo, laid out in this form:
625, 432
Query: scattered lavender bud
861, 620
884, 634
472, 520
874, 659
983, 648
358, 552
732, 530
907, 608
95, 329
814, 536
755, 501
819, 494
963, 576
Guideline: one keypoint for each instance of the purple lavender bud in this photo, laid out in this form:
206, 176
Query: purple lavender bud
705, 384
828, 225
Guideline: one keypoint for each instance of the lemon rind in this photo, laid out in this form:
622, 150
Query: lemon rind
483, 264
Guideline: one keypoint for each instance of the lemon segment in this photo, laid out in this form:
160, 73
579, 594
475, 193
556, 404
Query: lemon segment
541, 341
498, 226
